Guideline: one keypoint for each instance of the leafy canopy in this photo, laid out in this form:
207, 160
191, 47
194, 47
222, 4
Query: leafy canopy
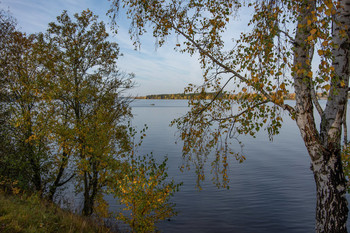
256, 70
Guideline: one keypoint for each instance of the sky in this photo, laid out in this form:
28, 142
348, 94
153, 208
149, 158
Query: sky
157, 70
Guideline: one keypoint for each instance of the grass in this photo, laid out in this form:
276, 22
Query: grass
32, 215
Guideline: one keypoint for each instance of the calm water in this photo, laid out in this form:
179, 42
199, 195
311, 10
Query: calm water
272, 191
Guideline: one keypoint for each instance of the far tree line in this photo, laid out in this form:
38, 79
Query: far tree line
212, 95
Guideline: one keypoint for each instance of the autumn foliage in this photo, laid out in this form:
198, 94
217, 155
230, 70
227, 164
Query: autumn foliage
273, 57
65, 122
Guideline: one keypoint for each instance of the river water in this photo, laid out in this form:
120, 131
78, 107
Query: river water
272, 191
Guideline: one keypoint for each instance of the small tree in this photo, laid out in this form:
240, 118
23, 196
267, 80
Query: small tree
143, 189
87, 92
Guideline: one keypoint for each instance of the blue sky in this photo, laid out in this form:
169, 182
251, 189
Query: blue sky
157, 71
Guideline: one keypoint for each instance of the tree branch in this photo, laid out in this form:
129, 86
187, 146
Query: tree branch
287, 35
215, 97
312, 88
66, 181
345, 127
315, 101
241, 113
235, 73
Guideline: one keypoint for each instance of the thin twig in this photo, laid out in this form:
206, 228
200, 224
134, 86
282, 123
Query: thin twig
215, 97
241, 113
287, 35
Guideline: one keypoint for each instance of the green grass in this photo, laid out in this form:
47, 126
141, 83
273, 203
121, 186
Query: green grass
32, 215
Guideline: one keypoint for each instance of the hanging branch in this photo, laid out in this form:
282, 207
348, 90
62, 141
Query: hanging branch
215, 97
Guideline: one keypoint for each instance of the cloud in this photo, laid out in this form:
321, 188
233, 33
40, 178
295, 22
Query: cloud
157, 71
161, 71
34, 15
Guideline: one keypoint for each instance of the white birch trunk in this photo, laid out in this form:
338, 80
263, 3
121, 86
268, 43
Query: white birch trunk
325, 147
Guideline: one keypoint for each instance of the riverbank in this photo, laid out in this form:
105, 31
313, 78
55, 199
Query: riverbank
31, 214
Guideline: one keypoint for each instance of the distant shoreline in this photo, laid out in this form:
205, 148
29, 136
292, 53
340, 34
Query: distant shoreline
179, 96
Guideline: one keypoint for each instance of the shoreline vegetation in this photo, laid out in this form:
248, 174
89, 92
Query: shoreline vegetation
30, 213
211, 95
64, 124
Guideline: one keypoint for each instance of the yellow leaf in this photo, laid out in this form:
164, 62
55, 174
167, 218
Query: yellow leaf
320, 52
310, 38
313, 31
342, 83
282, 86
244, 89
327, 87
329, 4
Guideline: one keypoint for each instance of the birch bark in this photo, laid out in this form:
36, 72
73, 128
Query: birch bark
324, 147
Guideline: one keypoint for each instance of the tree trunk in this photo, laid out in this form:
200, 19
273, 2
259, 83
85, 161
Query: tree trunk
324, 148
331, 210
57, 181
32, 156
87, 209
90, 191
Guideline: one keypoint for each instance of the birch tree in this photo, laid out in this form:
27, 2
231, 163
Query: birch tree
257, 70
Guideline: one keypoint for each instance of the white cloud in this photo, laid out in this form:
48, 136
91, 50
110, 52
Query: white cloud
34, 15
161, 70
